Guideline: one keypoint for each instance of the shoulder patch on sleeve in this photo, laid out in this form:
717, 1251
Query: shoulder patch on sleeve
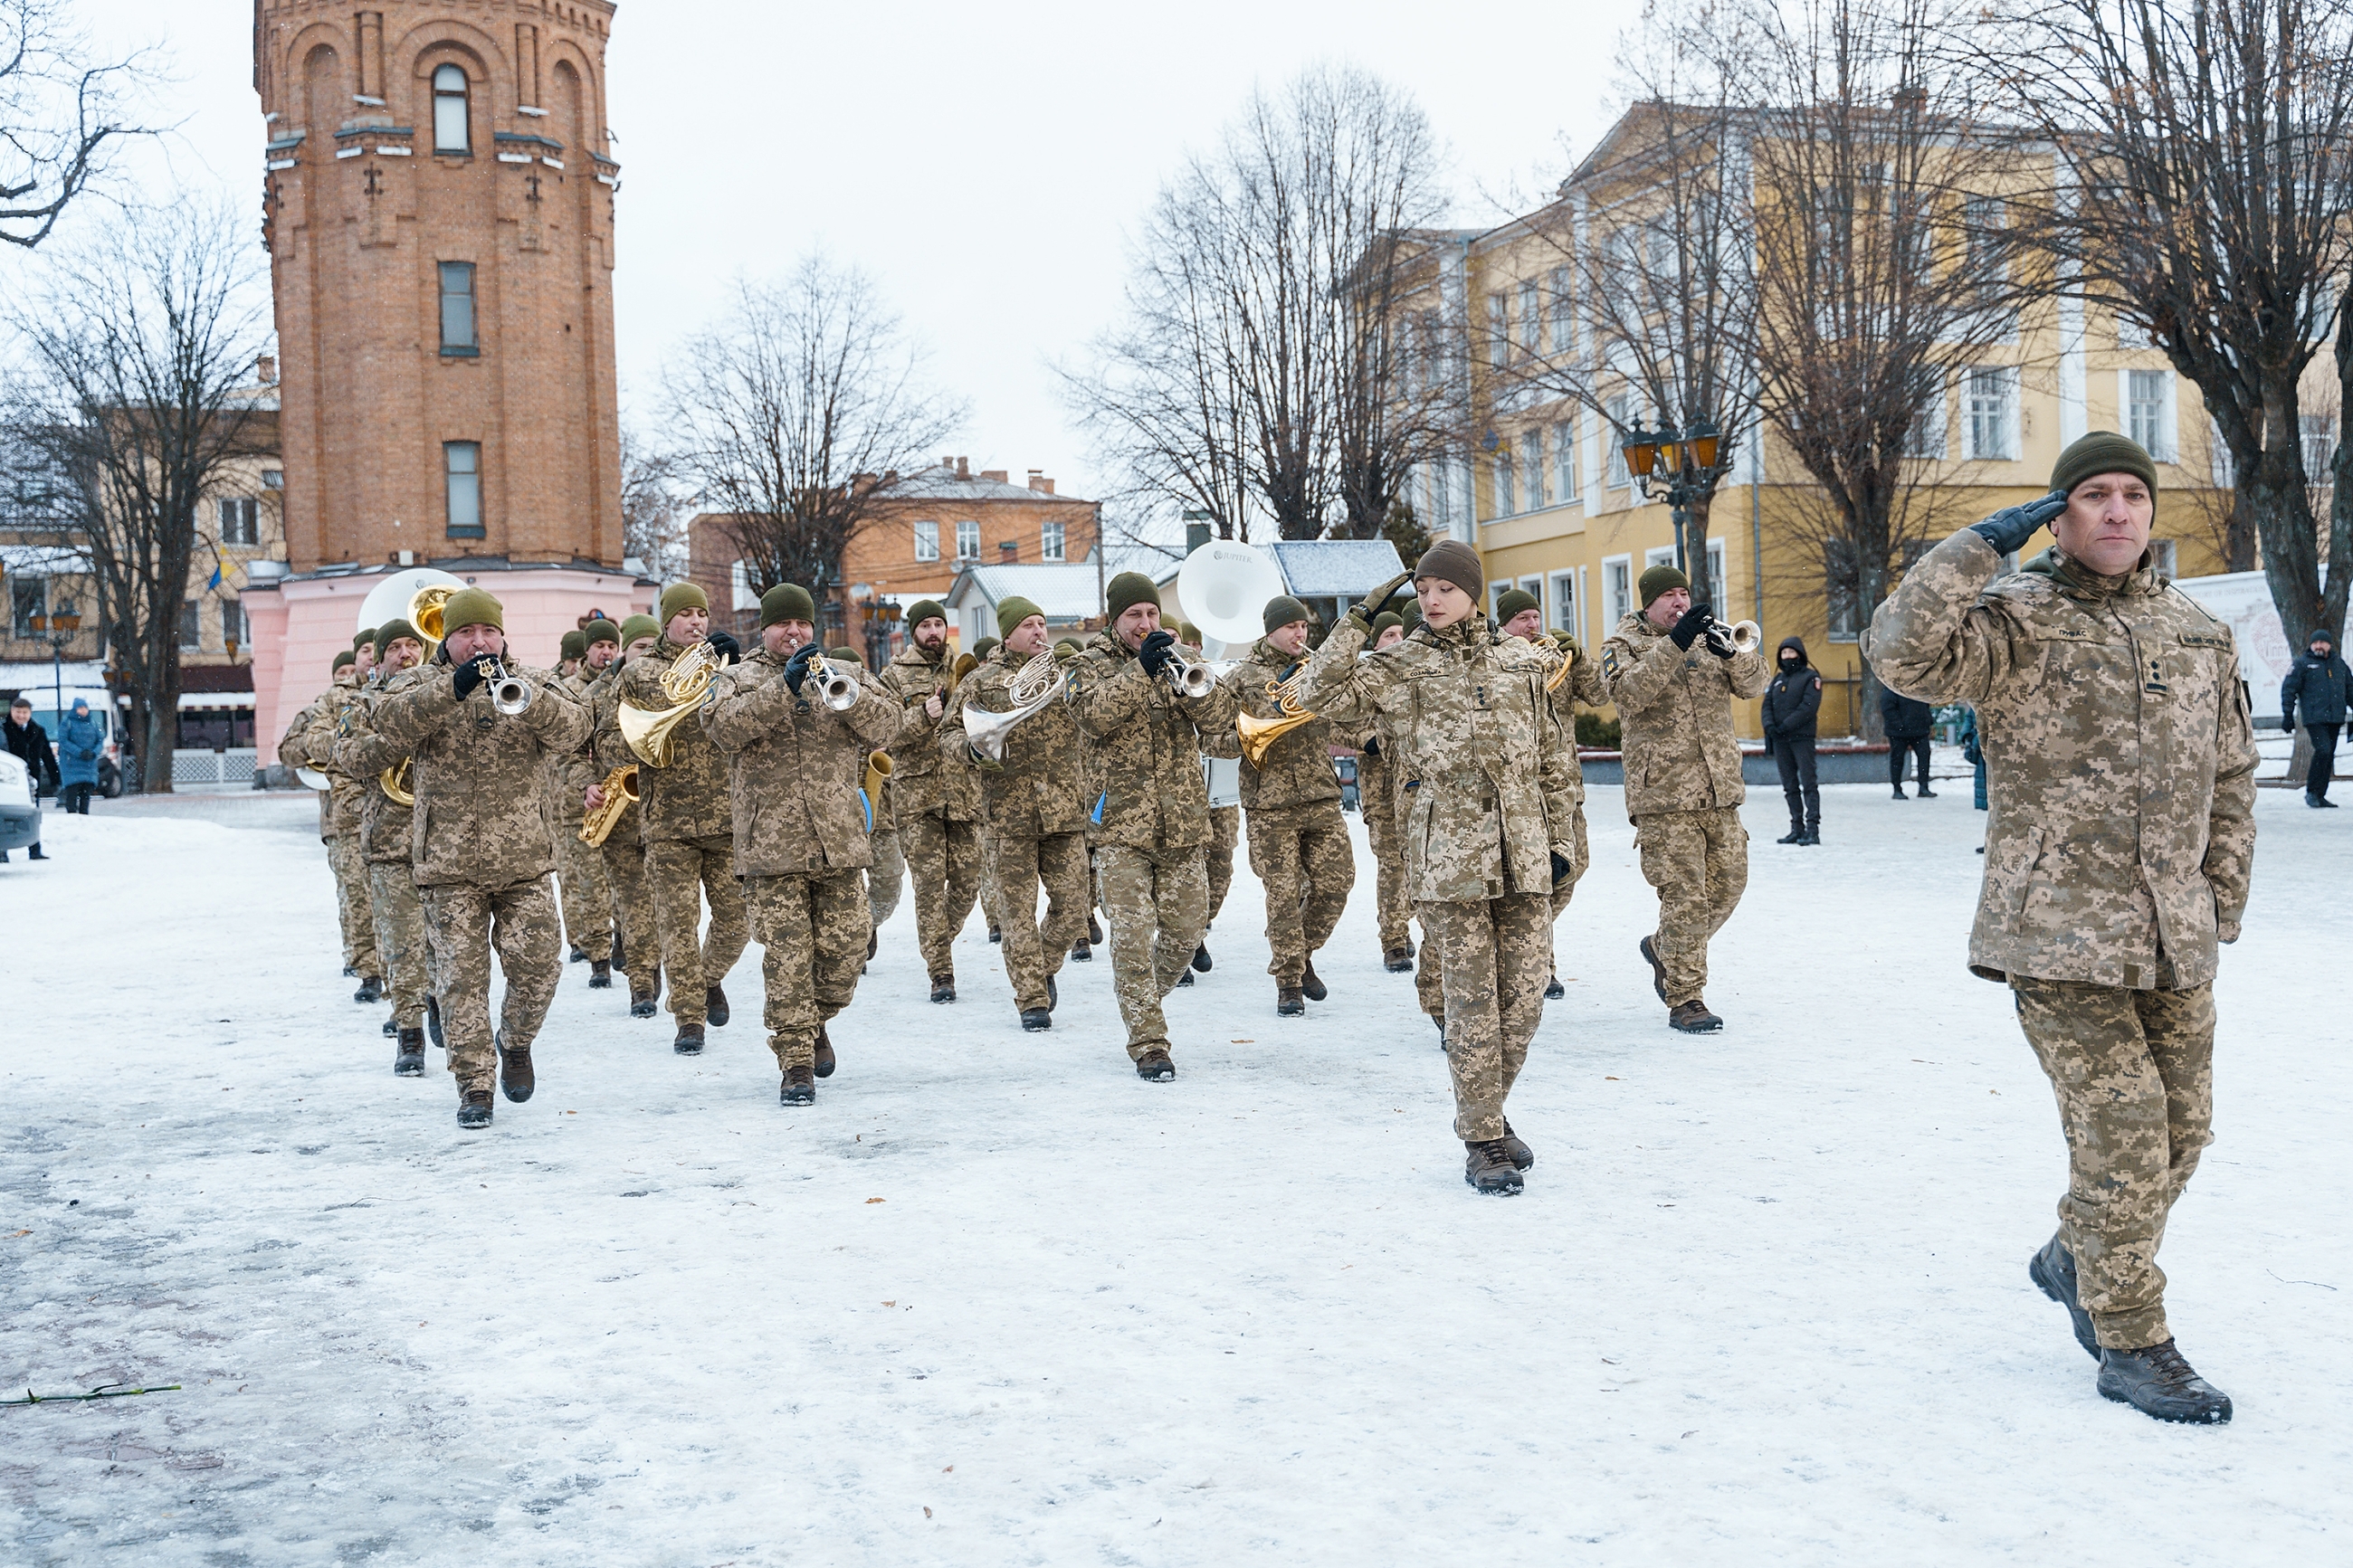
1609, 662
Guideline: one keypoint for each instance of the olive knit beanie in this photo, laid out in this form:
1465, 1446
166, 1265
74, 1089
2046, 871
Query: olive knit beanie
923, 610
1660, 579
574, 646
1281, 610
682, 596
2102, 452
1512, 602
391, 631
784, 602
639, 626
599, 631
1127, 590
472, 607
345, 659
1012, 612
1452, 561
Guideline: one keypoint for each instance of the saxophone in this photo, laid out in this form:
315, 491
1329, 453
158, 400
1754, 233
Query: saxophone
621, 792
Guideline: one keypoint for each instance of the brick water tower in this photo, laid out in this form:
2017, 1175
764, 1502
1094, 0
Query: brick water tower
439, 204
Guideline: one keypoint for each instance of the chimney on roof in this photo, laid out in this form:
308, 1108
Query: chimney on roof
1008, 550
1041, 483
996, 475
964, 468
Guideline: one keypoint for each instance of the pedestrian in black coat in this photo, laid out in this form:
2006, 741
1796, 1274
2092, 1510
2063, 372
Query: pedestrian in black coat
2320, 687
29, 744
1908, 723
1791, 703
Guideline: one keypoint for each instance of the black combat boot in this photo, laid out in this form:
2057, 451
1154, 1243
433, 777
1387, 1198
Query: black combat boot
1553, 989
799, 1088
873, 941
1185, 979
578, 956
714, 1006
1899, 792
600, 975
433, 1023
1054, 994
620, 952
644, 1001
1082, 951
825, 1060
942, 987
1522, 1157
1813, 833
1033, 1019
516, 1079
1487, 1167
688, 1041
349, 974
1658, 970
371, 990
1311, 984
1154, 1067
2052, 1270
996, 934
1288, 1002
1094, 928
1693, 1017
2156, 1381
1202, 957
473, 1108
1398, 960
391, 1029
408, 1056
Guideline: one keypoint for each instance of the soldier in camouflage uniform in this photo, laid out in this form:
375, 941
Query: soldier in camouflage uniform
385, 834
293, 754
479, 844
586, 896
2120, 765
624, 849
1035, 806
1225, 832
1298, 840
937, 801
1152, 814
1523, 617
802, 841
1486, 824
887, 877
1672, 680
689, 831
342, 821
1376, 801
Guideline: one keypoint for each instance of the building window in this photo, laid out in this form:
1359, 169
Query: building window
1049, 541
241, 520
968, 540
1992, 415
927, 542
1926, 437
1718, 598
1621, 410
1564, 602
1531, 316
453, 128
1499, 333
233, 635
1563, 461
2319, 433
2166, 558
191, 624
28, 605
457, 310
1539, 477
1843, 590
462, 466
1616, 589
1564, 327
2145, 410
1506, 498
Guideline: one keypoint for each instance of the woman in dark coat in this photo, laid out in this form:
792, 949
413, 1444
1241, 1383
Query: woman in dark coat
1791, 703
1907, 722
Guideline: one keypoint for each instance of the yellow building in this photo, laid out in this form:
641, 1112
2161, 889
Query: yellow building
1544, 494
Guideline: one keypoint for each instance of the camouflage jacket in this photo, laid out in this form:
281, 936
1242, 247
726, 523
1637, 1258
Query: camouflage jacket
386, 825
1144, 745
1581, 687
294, 752
478, 774
922, 778
1674, 713
2120, 760
569, 774
1041, 788
793, 767
319, 741
688, 799
1478, 758
1298, 769
604, 750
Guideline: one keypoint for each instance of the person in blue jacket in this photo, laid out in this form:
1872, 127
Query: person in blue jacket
80, 739
2320, 686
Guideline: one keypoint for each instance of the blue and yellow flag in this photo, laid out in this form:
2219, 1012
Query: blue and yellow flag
220, 565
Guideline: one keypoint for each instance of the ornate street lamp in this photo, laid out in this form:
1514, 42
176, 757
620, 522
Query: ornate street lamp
1674, 467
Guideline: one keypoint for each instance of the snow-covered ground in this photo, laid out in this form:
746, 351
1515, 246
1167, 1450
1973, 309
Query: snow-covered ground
992, 1300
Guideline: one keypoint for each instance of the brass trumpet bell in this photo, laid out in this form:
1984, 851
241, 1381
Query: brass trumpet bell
877, 774
1033, 689
1259, 735
652, 733
393, 781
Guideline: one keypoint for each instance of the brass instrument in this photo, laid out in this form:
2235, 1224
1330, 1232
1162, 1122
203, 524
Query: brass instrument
424, 608
393, 781
1569, 657
652, 733
1035, 685
313, 777
1259, 735
877, 774
1745, 637
1189, 675
621, 792
965, 665
509, 693
836, 689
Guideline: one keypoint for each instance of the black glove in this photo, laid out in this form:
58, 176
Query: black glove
2287, 722
1371, 607
1692, 627
471, 674
721, 643
1371, 748
1155, 655
2008, 529
1560, 868
796, 667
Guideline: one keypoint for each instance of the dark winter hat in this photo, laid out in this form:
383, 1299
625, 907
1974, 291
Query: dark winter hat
574, 646
847, 654
1793, 642
682, 596
1127, 590
639, 625
1512, 602
1067, 648
599, 630
345, 659
1452, 561
1188, 634
983, 648
1012, 612
784, 602
391, 631
1661, 579
1281, 611
366, 635
1411, 614
923, 610
1384, 620
2102, 452
472, 607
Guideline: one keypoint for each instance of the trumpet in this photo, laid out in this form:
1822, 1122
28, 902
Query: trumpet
1744, 637
1034, 685
393, 781
509, 693
652, 733
835, 687
1189, 675
621, 792
1259, 735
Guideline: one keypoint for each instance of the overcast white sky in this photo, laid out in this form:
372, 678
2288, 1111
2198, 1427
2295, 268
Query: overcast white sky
986, 164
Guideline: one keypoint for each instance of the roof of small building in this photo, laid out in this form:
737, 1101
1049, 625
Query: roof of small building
1067, 592
943, 482
1320, 567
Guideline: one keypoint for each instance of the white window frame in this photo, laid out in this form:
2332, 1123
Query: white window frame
2009, 432
2164, 449
1530, 317
463, 97
1563, 457
927, 540
1499, 330
2167, 557
1503, 490
1561, 601
1536, 476
238, 518
1564, 321
462, 491
1620, 409
1616, 589
1719, 584
1049, 541
1930, 437
968, 535
742, 596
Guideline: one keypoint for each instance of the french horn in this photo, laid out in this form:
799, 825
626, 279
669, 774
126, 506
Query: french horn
652, 733
1034, 686
1259, 735
394, 782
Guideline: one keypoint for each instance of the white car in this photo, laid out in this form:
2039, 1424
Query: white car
20, 818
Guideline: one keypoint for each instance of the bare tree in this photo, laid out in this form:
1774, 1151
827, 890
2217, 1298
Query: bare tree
795, 413
653, 511
138, 388
1260, 375
62, 116
2207, 195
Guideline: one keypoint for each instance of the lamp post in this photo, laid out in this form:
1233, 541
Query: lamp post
1673, 466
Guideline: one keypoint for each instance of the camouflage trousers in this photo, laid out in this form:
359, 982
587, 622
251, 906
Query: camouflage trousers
2133, 1071
633, 908
987, 899
684, 873
944, 862
1305, 860
1493, 957
466, 924
351, 904
400, 940
887, 877
1698, 860
1218, 858
1378, 809
1159, 903
1034, 950
812, 933
587, 897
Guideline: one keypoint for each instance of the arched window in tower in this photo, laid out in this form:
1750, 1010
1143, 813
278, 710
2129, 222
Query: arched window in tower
451, 130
